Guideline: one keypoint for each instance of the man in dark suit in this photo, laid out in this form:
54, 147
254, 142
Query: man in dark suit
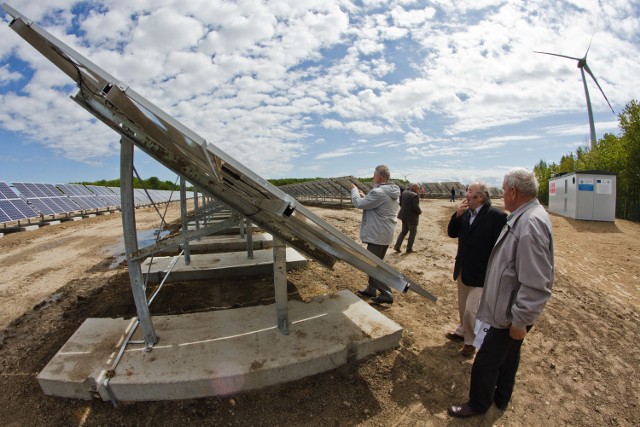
409, 215
477, 226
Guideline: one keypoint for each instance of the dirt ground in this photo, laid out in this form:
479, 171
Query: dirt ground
580, 364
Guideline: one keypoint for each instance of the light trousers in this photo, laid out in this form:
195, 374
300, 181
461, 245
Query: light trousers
468, 303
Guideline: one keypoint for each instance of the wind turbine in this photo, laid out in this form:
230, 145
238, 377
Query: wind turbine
582, 64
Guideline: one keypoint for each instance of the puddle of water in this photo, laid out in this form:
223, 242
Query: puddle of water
145, 238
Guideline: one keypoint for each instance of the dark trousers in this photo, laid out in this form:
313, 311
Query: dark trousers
412, 230
385, 291
493, 375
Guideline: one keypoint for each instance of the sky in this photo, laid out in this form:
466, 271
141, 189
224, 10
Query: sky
444, 90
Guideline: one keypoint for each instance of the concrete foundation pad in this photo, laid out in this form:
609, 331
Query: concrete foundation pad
75, 218
210, 266
222, 243
218, 352
55, 222
232, 230
29, 227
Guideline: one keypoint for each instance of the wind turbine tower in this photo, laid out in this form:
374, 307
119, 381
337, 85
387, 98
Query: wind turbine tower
582, 64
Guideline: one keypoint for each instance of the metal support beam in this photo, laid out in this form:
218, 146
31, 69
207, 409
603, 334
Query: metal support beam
189, 235
183, 216
242, 226
280, 284
249, 239
131, 242
196, 208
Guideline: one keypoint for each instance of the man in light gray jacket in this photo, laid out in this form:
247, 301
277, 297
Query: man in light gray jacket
517, 286
379, 219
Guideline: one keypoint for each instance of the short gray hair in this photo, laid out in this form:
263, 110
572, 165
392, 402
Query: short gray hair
523, 180
484, 188
383, 171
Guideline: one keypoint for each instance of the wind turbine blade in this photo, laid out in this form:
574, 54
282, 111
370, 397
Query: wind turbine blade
556, 54
585, 55
586, 67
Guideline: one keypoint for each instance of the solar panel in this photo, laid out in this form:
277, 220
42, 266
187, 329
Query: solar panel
24, 190
105, 194
42, 207
4, 217
46, 190
12, 207
6, 192
46, 198
35, 190
203, 164
81, 196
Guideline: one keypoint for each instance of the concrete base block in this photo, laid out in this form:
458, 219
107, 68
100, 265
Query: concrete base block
29, 227
232, 230
213, 244
55, 222
92, 215
75, 218
219, 352
211, 266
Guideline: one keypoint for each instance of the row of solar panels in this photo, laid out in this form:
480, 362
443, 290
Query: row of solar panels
35, 200
339, 188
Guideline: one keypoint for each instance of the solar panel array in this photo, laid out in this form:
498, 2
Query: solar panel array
106, 194
46, 198
443, 190
330, 190
325, 190
82, 196
36, 200
12, 207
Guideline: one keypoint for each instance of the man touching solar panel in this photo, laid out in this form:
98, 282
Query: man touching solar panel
379, 219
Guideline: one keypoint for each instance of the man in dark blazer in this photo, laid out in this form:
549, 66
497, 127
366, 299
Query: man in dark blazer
477, 226
409, 214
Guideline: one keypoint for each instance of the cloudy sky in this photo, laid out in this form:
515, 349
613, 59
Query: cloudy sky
444, 90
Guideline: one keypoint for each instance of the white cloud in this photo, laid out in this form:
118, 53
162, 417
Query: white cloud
341, 152
422, 82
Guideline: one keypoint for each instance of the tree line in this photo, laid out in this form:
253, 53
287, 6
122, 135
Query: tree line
153, 183
617, 154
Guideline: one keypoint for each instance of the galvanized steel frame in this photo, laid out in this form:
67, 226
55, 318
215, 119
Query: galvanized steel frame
203, 164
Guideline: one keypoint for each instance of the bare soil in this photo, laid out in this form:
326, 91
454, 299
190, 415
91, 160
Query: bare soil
580, 364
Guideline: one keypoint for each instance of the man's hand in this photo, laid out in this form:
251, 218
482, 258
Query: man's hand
360, 193
462, 207
517, 333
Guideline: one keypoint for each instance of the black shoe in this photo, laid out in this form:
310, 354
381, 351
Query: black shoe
381, 300
453, 336
500, 405
467, 350
397, 249
462, 411
410, 251
365, 294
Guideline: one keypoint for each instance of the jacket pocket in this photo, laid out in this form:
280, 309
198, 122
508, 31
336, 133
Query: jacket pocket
512, 297
506, 295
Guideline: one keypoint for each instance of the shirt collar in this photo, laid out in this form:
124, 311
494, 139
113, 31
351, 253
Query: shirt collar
521, 209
